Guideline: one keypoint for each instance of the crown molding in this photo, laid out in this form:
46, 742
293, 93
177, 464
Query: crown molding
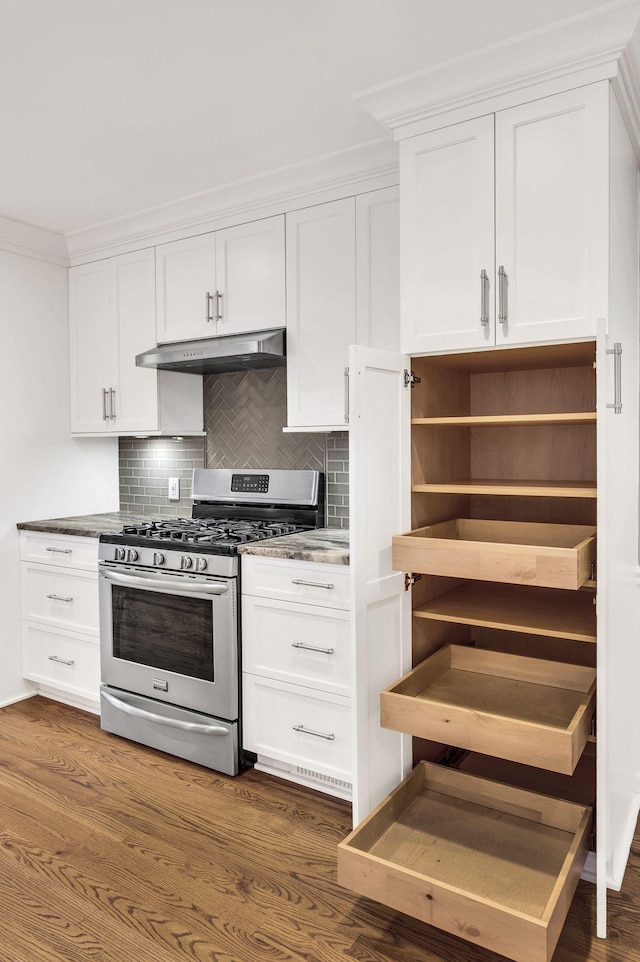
596, 42
33, 242
330, 177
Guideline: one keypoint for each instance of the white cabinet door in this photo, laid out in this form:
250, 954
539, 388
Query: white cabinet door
447, 238
250, 277
380, 460
552, 215
378, 269
90, 347
321, 311
185, 286
132, 279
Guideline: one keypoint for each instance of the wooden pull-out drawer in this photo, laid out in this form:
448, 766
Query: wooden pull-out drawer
492, 864
525, 709
67, 599
301, 644
518, 552
67, 663
60, 550
298, 725
306, 582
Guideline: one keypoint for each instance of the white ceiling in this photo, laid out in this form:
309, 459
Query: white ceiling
108, 107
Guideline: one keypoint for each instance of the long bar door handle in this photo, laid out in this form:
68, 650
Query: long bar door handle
503, 280
300, 644
310, 584
309, 731
161, 720
484, 298
60, 598
616, 351
60, 661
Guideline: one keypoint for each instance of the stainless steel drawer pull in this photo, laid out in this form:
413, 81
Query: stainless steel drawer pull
60, 598
61, 550
310, 584
209, 297
309, 731
299, 644
484, 304
502, 294
60, 661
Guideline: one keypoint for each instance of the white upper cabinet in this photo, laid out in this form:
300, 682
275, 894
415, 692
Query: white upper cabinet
111, 319
343, 288
447, 238
534, 191
227, 282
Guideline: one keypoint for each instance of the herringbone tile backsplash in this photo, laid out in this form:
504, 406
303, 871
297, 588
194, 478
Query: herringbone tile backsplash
244, 413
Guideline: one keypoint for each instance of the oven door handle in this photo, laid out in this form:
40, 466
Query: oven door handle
161, 719
175, 588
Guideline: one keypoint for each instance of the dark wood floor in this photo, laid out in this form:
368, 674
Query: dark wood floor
115, 853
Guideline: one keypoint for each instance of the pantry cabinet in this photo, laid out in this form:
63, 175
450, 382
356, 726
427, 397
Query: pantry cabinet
229, 281
504, 224
495, 610
342, 289
111, 319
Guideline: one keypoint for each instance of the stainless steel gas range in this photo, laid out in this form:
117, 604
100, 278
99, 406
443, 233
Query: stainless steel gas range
169, 623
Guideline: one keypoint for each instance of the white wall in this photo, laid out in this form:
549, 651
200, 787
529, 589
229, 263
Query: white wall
44, 473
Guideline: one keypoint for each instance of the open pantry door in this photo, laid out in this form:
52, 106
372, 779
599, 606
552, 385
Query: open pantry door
380, 506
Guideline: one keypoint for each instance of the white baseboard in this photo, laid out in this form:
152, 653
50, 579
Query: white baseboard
315, 780
74, 701
17, 698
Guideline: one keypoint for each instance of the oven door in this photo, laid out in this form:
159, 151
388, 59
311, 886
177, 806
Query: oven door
171, 637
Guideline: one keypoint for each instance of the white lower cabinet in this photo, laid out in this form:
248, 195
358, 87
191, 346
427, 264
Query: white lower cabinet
296, 671
60, 621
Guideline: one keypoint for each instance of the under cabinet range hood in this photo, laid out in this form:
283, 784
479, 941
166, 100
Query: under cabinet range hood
217, 355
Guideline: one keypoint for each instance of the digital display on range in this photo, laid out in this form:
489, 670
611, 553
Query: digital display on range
258, 483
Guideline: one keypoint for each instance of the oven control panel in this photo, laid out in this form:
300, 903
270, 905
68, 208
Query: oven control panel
250, 483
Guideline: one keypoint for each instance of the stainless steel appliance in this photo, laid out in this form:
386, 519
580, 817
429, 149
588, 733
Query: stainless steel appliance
169, 626
216, 355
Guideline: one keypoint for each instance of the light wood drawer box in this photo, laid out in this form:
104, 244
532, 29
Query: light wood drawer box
306, 582
492, 864
55, 596
70, 663
518, 552
524, 709
301, 644
275, 710
60, 550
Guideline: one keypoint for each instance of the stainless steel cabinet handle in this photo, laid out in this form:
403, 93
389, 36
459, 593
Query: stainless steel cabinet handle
161, 720
61, 661
218, 309
209, 317
346, 395
616, 350
104, 404
502, 294
308, 731
60, 550
60, 598
310, 584
299, 644
484, 299
112, 404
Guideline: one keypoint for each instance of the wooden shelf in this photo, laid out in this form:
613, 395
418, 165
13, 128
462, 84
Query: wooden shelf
446, 846
515, 420
520, 489
513, 552
527, 710
534, 611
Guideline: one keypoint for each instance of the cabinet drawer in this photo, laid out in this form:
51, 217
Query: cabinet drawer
66, 599
274, 711
306, 582
516, 552
59, 550
70, 663
492, 864
301, 644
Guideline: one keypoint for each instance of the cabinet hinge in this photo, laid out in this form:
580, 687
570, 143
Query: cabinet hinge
410, 579
410, 379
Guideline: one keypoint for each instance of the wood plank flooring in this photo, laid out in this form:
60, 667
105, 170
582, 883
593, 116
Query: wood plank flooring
112, 852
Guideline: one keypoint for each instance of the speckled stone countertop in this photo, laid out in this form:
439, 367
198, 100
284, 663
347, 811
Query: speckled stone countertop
330, 545
90, 525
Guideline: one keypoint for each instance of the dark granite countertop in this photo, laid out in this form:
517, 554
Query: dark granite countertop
329, 545
90, 525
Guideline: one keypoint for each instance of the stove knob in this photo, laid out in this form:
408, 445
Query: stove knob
158, 558
119, 554
132, 554
201, 564
186, 561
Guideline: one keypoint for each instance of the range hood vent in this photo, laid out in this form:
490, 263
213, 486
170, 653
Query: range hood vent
217, 355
